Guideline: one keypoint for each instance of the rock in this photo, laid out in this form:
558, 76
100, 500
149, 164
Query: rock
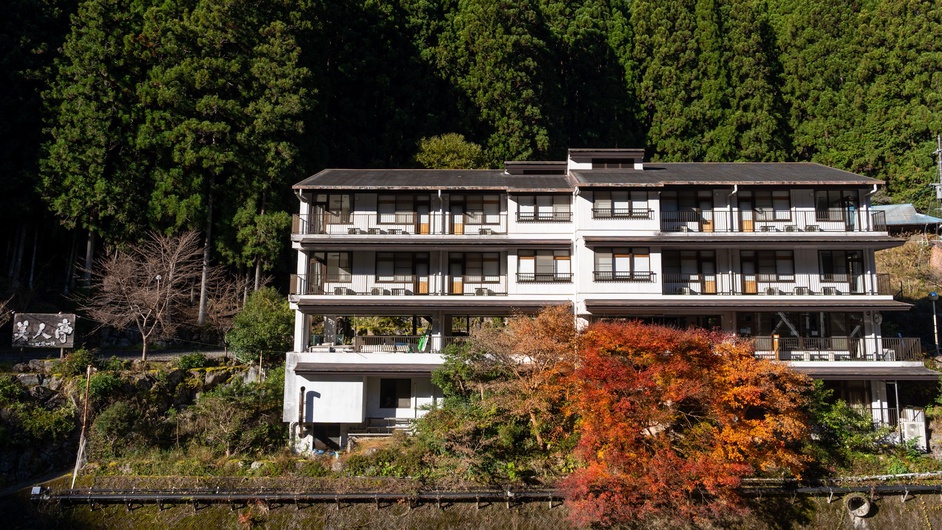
336, 466
174, 377
21, 368
40, 366
40, 392
141, 381
257, 465
251, 375
216, 377
52, 383
29, 379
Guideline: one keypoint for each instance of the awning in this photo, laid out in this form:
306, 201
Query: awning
829, 372
693, 304
403, 370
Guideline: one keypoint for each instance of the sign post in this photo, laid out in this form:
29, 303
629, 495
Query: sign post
44, 330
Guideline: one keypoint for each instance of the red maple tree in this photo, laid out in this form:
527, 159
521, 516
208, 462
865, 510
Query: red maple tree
671, 421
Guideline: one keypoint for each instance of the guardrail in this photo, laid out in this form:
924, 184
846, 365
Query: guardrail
402, 224
801, 221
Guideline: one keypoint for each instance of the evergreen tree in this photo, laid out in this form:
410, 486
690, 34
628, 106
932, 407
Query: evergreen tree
496, 53
92, 177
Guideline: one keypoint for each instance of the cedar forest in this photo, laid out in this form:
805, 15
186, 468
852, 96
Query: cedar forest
126, 117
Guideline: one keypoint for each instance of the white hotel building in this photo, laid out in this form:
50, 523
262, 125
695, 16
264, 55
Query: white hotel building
780, 252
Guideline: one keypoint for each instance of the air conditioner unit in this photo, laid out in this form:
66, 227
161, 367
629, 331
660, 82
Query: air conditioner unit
914, 431
771, 291
830, 291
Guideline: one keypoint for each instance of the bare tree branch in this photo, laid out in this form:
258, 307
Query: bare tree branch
146, 285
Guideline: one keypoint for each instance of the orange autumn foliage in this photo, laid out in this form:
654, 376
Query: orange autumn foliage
671, 421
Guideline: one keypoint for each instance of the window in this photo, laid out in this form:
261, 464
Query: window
544, 266
332, 266
399, 266
771, 205
839, 265
482, 267
687, 201
336, 207
831, 205
395, 393
480, 209
622, 264
769, 265
397, 209
543, 208
621, 204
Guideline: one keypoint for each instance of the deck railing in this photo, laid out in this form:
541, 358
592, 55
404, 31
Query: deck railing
800, 221
401, 224
838, 349
734, 283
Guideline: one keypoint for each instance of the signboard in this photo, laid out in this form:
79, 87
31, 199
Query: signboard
43, 330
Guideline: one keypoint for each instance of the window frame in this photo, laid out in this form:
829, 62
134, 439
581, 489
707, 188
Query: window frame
622, 264
556, 259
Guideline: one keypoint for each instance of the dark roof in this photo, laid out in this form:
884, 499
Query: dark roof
653, 175
905, 215
831, 371
723, 174
432, 179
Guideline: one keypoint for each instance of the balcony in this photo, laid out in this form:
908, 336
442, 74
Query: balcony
373, 224
786, 221
400, 285
829, 349
544, 277
641, 214
624, 276
734, 283
544, 217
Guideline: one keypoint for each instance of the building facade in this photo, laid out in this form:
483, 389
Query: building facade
779, 252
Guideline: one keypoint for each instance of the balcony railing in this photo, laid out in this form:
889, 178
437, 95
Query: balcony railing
544, 217
401, 224
624, 276
838, 349
544, 277
623, 213
734, 283
773, 221
402, 285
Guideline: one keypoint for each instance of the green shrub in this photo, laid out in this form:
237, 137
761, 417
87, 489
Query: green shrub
265, 327
44, 424
10, 389
74, 363
103, 384
191, 361
113, 365
115, 424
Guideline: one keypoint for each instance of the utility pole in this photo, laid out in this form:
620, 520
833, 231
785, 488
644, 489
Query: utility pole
938, 155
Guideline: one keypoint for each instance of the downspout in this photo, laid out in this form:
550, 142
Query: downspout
576, 272
729, 251
441, 253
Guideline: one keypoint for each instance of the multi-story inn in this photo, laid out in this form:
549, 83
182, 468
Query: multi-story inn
780, 252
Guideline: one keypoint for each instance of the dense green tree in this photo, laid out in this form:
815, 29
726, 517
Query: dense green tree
450, 151
669, 90
495, 51
224, 96
31, 35
92, 177
264, 327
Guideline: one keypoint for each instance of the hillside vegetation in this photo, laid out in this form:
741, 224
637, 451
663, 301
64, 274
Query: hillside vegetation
123, 117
